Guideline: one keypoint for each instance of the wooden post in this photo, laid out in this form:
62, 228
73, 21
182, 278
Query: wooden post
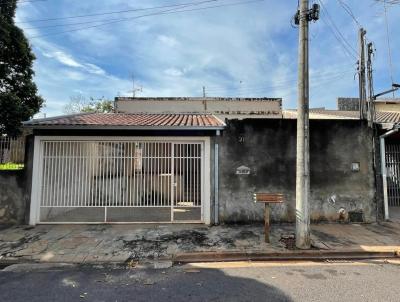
266, 222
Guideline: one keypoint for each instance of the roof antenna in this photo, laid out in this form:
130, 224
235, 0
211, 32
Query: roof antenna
134, 89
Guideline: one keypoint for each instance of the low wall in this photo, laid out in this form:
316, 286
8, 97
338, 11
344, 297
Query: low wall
268, 149
15, 190
13, 197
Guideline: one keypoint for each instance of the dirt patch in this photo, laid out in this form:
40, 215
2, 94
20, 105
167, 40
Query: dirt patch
243, 235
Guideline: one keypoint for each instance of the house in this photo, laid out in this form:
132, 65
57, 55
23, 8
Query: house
122, 168
386, 146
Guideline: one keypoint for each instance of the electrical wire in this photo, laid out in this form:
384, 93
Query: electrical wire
282, 83
388, 45
117, 19
166, 12
347, 47
347, 8
24, 1
241, 91
116, 12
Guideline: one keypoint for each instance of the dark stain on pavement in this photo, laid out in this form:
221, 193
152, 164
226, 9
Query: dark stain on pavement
315, 276
187, 240
333, 272
330, 238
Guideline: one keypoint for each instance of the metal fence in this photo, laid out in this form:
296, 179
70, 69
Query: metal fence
12, 153
393, 173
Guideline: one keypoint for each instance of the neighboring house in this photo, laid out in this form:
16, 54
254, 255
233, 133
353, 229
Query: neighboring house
382, 104
224, 108
387, 143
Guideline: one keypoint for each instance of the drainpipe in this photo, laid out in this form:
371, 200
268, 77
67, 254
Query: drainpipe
384, 170
216, 185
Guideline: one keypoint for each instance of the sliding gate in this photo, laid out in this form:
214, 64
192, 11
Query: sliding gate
120, 181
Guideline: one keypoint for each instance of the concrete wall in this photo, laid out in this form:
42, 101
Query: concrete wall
348, 104
222, 107
268, 148
15, 190
12, 197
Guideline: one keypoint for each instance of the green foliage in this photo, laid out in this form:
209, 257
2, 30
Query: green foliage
11, 166
19, 99
79, 104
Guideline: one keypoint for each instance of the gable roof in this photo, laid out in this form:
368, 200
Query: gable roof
139, 121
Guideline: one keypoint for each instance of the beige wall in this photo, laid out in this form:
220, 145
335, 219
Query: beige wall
381, 106
229, 108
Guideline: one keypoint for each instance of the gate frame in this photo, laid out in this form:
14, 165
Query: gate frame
34, 215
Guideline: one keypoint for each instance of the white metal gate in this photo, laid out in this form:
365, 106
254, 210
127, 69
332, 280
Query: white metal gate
98, 181
392, 156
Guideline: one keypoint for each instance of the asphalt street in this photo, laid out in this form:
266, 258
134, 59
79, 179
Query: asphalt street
258, 281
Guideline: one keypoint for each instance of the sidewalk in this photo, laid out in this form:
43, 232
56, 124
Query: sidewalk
122, 243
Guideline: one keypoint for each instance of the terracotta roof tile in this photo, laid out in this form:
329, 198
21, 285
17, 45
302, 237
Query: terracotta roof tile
131, 120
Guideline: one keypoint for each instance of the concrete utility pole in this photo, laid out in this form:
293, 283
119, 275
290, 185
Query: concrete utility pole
371, 102
361, 74
303, 16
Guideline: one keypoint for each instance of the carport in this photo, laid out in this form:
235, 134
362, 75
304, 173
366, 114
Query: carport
122, 168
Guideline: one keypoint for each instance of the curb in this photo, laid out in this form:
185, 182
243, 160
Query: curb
283, 256
225, 256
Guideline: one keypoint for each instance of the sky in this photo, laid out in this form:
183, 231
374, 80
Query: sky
234, 48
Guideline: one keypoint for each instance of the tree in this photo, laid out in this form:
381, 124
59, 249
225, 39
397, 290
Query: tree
79, 103
19, 99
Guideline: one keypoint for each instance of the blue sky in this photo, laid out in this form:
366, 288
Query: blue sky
244, 50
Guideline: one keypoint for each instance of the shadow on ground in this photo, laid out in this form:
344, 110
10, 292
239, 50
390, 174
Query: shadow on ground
176, 284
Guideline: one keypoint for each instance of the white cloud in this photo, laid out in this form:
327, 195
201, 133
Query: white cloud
168, 41
174, 72
65, 59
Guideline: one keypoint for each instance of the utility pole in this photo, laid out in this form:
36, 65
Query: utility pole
371, 102
303, 16
204, 91
361, 74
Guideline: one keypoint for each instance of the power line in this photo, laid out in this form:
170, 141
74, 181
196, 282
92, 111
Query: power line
262, 89
294, 90
388, 45
117, 12
116, 19
318, 73
24, 1
349, 49
390, 2
282, 84
347, 8
166, 12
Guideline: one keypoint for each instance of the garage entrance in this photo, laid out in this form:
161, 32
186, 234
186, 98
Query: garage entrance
103, 180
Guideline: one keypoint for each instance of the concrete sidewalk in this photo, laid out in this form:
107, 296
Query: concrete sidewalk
123, 243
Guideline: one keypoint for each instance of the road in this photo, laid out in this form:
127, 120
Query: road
259, 281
